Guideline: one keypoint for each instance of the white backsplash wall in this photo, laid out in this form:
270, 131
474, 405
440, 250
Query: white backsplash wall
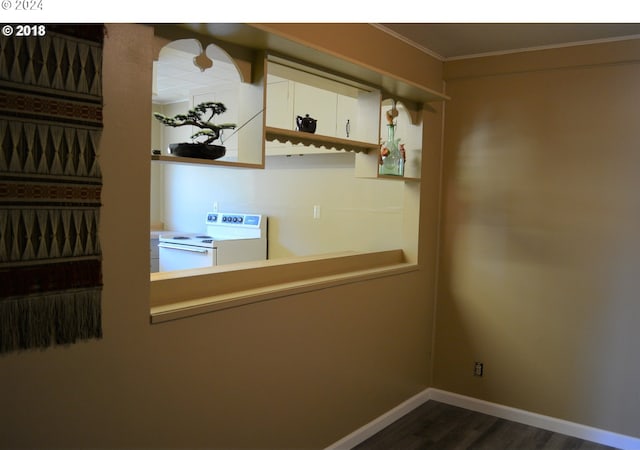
354, 214
161, 135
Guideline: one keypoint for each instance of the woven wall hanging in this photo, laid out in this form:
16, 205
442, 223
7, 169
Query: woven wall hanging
50, 186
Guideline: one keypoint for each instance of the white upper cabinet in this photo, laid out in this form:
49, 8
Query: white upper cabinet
318, 104
279, 105
341, 108
288, 100
346, 117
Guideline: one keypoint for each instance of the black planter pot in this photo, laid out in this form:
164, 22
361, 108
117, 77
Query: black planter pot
197, 150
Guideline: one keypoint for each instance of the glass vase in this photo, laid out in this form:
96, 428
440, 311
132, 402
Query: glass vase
391, 157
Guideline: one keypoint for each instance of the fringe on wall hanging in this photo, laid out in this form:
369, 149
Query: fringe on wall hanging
50, 186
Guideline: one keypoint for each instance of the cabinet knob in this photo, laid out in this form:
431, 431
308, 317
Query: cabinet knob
347, 128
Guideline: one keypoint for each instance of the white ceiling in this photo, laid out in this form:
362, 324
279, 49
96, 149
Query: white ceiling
456, 40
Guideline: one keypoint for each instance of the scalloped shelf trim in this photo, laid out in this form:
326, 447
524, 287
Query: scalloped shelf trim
317, 140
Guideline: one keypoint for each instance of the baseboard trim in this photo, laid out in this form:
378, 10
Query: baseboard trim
537, 420
504, 412
366, 431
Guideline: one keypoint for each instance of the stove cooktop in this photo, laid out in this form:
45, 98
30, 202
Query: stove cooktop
220, 227
196, 239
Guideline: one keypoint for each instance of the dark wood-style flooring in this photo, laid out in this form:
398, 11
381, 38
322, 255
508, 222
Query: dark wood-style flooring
439, 426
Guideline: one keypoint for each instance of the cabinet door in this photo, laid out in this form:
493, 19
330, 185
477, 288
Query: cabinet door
319, 104
346, 117
280, 115
280, 105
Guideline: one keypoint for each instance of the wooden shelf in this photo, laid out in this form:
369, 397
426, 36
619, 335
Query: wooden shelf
390, 177
393, 177
202, 162
297, 137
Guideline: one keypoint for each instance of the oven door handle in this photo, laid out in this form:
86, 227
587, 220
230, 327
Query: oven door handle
186, 249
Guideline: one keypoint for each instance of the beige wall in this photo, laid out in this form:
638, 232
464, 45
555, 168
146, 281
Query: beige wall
299, 371
540, 248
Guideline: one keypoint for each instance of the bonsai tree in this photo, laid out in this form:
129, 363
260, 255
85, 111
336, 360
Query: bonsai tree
200, 117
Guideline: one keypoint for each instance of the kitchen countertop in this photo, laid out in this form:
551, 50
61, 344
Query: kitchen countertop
157, 229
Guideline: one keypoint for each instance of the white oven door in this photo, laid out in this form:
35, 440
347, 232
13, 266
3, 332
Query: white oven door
179, 257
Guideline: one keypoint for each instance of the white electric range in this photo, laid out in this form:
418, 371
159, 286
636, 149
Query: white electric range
229, 238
